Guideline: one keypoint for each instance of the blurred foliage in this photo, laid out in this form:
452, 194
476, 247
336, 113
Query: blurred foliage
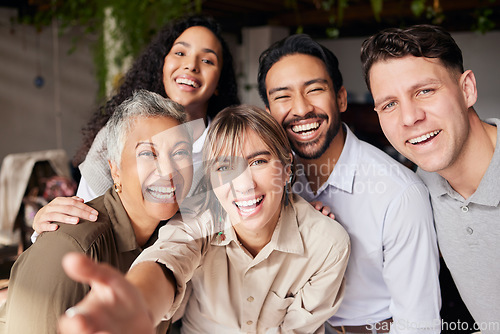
134, 23
429, 9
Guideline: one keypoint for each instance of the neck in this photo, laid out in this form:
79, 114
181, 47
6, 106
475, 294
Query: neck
318, 170
254, 241
194, 113
465, 174
142, 225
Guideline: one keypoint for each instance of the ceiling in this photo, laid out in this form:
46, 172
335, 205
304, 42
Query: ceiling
358, 20
358, 17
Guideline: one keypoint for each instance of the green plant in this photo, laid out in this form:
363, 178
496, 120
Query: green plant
133, 23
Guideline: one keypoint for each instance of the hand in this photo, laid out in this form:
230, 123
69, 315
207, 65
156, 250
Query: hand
323, 209
68, 210
113, 305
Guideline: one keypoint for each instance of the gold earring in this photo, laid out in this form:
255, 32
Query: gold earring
117, 187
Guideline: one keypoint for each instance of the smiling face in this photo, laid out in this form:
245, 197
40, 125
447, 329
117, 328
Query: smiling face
303, 100
156, 169
250, 187
423, 109
192, 69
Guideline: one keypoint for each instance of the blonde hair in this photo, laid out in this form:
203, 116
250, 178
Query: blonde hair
228, 132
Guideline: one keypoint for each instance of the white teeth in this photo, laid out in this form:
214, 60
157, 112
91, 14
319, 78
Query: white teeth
305, 127
243, 204
185, 81
423, 137
161, 192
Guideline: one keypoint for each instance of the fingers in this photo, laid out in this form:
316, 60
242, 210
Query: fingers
82, 269
325, 210
68, 210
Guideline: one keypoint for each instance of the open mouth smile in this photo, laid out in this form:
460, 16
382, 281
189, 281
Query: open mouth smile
305, 129
249, 206
187, 82
424, 138
161, 193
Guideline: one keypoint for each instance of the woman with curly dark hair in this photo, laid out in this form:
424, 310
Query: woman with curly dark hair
188, 62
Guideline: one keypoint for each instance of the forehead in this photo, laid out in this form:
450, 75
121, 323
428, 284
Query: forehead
245, 144
202, 37
161, 129
406, 72
296, 69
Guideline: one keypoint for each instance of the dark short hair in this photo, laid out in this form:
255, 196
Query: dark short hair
297, 44
419, 41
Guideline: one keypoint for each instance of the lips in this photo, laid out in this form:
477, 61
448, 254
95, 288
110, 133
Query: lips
160, 192
191, 82
249, 206
424, 138
305, 131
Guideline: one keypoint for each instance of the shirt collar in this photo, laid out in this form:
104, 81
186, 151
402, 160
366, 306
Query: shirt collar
487, 192
342, 176
198, 144
286, 236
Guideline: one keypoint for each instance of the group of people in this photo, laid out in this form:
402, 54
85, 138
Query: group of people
236, 219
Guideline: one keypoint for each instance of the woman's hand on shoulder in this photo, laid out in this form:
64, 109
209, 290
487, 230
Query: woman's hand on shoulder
68, 210
324, 209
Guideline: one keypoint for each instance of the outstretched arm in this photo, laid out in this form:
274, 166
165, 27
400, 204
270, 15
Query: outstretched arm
119, 304
67, 210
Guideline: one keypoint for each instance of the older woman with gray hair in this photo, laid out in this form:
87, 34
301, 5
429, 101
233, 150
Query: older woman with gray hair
149, 153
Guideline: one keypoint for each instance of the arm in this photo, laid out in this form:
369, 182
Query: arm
39, 291
68, 210
321, 296
117, 304
411, 262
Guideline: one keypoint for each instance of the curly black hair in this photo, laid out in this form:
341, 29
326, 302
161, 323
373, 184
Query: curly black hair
147, 73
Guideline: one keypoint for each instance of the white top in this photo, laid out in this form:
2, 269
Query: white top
394, 264
293, 285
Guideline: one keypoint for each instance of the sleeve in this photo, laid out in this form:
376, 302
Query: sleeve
321, 296
39, 290
95, 168
179, 247
411, 263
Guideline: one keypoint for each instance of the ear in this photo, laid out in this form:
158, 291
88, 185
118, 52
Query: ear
268, 111
468, 86
115, 171
342, 99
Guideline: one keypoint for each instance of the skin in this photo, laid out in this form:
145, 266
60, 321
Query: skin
301, 94
263, 179
155, 172
135, 303
192, 69
196, 56
416, 97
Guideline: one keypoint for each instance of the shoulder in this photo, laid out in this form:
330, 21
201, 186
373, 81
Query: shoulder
313, 225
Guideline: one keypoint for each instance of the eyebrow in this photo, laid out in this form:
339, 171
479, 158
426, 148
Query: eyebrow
256, 154
206, 50
153, 144
307, 83
417, 85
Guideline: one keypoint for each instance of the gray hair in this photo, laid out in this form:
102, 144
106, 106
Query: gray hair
142, 103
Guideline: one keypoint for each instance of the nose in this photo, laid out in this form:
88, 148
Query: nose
301, 105
411, 113
244, 183
190, 63
165, 167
